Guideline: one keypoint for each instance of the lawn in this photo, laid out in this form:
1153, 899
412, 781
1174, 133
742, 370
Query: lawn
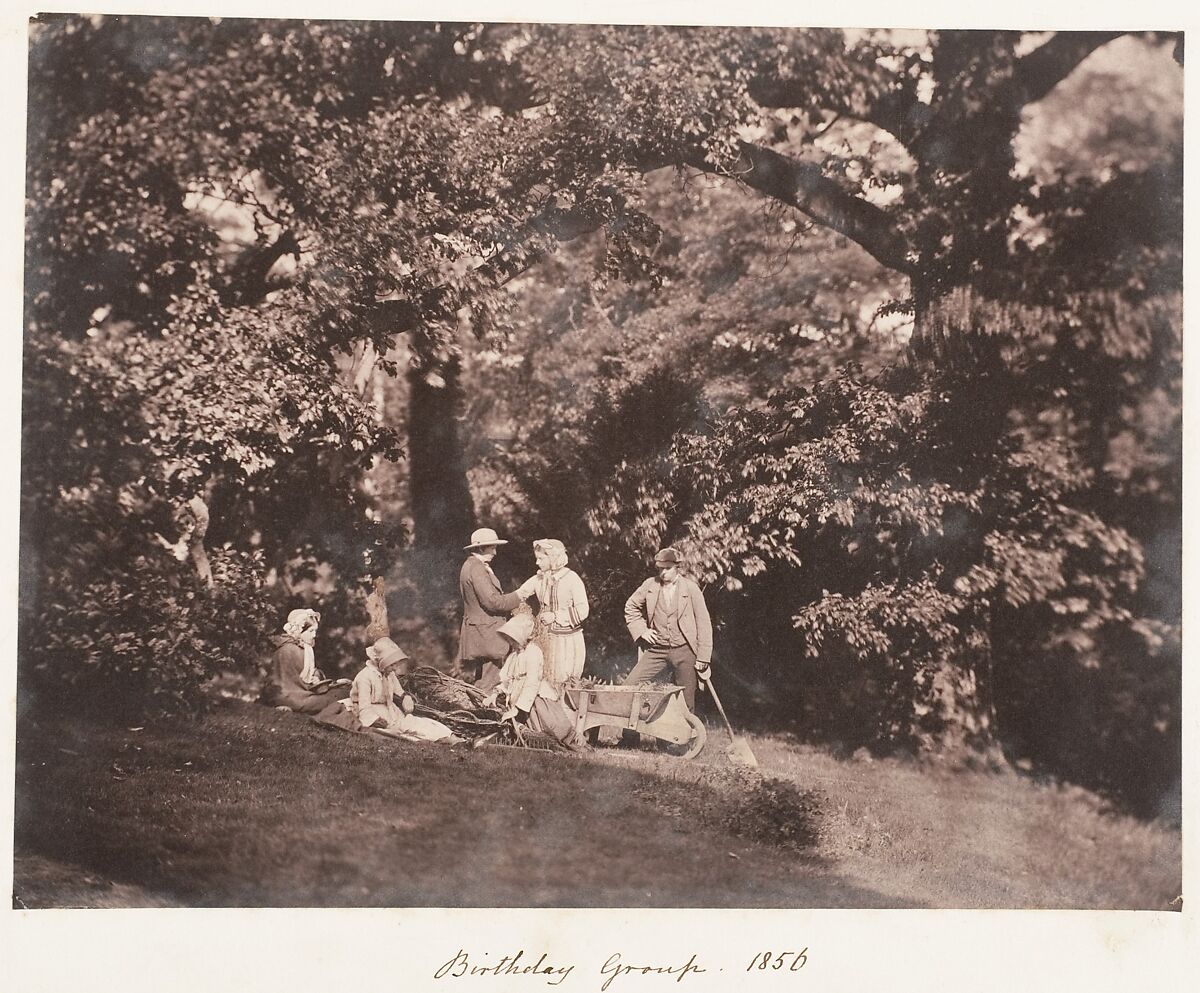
253, 807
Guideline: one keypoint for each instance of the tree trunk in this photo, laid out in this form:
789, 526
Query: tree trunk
199, 553
440, 499
378, 626
942, 320
363, 367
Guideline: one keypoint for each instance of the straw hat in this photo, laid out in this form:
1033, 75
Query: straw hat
484, 538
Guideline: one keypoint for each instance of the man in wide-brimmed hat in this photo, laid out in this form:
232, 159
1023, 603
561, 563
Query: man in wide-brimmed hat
669, 621
481, 648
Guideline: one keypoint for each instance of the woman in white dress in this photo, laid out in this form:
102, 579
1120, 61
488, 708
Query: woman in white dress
562, 609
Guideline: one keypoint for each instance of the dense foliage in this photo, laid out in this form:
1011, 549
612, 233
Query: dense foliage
164, 476
981, 547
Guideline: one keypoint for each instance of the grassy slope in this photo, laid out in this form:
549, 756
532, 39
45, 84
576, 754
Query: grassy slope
254, 807
952, 839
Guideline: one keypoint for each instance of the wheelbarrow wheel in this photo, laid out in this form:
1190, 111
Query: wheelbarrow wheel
691, 748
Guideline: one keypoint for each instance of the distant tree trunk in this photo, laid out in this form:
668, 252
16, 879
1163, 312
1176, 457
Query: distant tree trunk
958, 329
440, 499
199, 554
922, 345
362, 369
378, 626
940, 322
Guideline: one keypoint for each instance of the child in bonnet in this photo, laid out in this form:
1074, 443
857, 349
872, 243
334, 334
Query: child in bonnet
381, 703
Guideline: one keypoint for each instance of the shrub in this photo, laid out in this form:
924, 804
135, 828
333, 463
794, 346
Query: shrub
127, 438
139, 639
777, 812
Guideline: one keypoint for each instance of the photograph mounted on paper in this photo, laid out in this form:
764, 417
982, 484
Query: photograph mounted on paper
474, 465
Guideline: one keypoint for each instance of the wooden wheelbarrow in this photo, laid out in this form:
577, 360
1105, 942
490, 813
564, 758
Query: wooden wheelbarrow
652, 709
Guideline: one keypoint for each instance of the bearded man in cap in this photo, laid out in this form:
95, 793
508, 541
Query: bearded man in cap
481, 647
668, 619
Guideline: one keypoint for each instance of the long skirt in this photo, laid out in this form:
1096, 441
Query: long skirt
567, 654
306, 702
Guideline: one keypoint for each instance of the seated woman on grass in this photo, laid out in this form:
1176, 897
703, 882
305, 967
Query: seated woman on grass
381, 704
293, 679
532, 687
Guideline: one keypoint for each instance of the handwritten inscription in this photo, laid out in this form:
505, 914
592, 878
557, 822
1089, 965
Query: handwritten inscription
509, 965
614, 968
792, 961
464, 964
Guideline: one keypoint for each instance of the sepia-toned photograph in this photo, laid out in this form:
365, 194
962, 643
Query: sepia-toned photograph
550, 465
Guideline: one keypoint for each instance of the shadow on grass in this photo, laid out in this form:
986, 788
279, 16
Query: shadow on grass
251, 807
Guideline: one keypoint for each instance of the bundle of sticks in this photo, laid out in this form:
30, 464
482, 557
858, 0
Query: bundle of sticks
464, 709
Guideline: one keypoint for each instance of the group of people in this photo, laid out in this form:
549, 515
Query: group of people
522, 659
666, 617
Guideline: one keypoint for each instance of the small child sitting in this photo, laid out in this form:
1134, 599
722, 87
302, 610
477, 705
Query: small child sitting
375, 693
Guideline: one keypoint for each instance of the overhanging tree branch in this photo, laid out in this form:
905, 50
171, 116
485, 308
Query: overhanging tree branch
805, 187
1037, 73
900, 114
800, 184
952, 126
559, 223
888, 111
